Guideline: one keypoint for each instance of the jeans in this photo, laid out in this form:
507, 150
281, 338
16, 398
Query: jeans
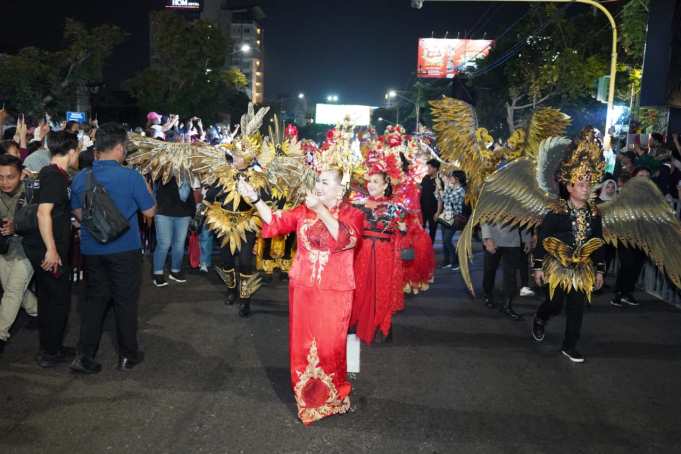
429, 223
448, 246
171, 232
115, 279
206, 238
15, 274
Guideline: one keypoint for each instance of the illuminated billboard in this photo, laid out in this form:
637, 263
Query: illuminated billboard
445, 58
333, 114
183, 4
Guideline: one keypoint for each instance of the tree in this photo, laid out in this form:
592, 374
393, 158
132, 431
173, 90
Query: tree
187, 74
35, 80
549, 60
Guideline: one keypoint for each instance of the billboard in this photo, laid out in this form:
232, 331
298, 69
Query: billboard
333, 114
184, 4
80, 117
445, 58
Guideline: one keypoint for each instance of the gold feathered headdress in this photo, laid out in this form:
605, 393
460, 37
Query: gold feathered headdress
340, 151
584, 164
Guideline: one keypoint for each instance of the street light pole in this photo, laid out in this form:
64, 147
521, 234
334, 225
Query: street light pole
613, 57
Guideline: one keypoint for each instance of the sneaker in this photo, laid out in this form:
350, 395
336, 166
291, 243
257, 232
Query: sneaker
446, 266
203, 269
178, 277
537, 329
573, 355
159, 280
456, 268
616, 302
630, 300
85, 365
526, 291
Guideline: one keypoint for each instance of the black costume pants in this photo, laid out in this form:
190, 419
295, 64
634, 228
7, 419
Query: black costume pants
116, 279
631, 264
243, 260
510, 258
574, 311
54, 301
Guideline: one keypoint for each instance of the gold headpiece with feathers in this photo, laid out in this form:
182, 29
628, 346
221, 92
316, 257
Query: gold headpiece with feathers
584, 164
340, 151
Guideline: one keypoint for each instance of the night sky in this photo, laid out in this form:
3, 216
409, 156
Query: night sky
353, 48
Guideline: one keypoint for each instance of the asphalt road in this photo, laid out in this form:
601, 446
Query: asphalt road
458, 377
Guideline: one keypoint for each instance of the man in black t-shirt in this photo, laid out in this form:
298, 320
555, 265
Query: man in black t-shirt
431, 188
48, 248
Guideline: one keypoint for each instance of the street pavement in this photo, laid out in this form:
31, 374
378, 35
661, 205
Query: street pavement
458, 378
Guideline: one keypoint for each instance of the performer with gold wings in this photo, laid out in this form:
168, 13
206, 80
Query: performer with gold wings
568, 258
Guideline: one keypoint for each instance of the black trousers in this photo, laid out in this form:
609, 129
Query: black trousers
574, 313
429, 223
631, 264
243, 260
54, 301
510, 259
116, 279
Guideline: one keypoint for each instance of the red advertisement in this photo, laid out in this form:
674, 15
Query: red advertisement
445, 58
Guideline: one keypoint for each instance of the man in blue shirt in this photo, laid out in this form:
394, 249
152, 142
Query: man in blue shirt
113, 271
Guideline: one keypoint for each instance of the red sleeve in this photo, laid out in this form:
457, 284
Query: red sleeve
350, 224
23, 153
283, 222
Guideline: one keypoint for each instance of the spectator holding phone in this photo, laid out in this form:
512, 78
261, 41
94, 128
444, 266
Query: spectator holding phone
48, 248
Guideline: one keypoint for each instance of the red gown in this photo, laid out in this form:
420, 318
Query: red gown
378, 267
418, 273
321, 283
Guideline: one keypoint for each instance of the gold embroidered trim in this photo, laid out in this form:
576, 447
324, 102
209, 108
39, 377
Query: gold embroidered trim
248, 284
228, 276
333, 404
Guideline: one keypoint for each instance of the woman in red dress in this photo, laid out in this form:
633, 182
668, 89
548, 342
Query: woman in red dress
418, 273
321, 284
378, 295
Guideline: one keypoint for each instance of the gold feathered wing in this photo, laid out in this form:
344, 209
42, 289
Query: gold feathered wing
164, 160
640, 217
461, 142
509, 196
544, 123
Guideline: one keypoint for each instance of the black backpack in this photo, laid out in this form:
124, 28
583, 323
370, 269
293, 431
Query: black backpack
100, 216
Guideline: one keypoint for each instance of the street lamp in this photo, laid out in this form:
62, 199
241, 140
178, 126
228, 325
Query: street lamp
332, 98
301, 95
245, 48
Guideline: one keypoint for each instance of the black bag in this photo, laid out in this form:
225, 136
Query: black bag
100, 216
26, 214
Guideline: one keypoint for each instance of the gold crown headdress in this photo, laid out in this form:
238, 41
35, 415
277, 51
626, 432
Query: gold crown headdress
248, 142
584, 164
340, 151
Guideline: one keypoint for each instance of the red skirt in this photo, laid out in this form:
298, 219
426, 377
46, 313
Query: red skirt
318, 329
378, 288
418, 273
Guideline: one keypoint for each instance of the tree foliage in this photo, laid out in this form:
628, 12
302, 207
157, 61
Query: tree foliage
37, 80
186, 75
554, 57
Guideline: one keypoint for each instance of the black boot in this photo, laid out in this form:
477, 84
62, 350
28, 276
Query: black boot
244, 308
508, 310
489, 301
